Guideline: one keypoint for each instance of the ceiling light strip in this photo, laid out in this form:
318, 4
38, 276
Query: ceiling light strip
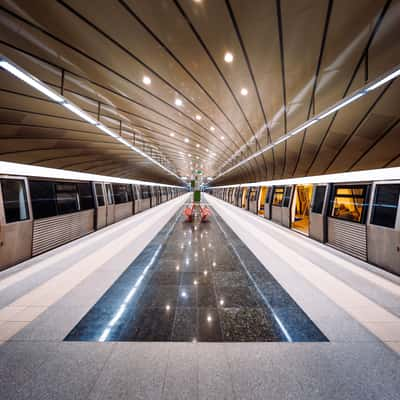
32, 81
385, 78
371, 175
16, 169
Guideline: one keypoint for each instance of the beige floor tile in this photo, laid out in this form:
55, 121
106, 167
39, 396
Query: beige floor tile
10, 328
395, 346
28, 314
386, 331
9, 312
372, 314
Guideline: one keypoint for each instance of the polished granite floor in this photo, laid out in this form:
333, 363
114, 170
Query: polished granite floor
196, 282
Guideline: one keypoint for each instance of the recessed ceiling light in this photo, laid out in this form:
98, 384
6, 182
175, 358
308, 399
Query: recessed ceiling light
197, 157
198, 117
186, 140
228, 57
207, 150
212, 129
244, 92
189, 155
172, 134
197, 145
222, 137
178, 102
146, 80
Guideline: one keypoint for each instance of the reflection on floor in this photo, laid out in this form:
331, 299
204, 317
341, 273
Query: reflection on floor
196, 282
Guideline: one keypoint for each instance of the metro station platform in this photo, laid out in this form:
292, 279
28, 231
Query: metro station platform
154, 307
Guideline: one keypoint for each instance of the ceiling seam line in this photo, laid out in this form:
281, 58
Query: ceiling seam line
282, 57
383, 135
358, 125
246, 57
103, 66
373, 33
128, 52
205, 48
181, 64
312, 100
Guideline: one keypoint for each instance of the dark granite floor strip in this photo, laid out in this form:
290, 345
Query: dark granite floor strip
196, 282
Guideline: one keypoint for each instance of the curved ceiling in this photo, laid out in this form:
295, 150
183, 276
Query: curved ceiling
294, 58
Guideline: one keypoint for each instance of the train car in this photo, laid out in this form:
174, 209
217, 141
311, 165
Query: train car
43, 208
356, 212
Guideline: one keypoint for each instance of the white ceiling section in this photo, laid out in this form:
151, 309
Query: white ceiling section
154, 74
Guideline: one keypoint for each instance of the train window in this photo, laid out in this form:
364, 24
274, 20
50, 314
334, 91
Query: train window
99, 194
253, 194
145, 191
67, 198
85, 196
286, 196
43, 199
349, 203
278, 196
120, 194
110, 197
318, 202
385, 205
14, 200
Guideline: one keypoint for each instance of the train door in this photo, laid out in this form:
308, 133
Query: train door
261, 200
286, 206
243, 200
101, 208
300, 213
383, 228
110, 204
268, 202
318, 210
16, 222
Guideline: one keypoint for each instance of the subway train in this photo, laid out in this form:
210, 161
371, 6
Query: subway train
356, 212
43, 208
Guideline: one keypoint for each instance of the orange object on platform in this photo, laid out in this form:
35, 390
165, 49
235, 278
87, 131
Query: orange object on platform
189, 213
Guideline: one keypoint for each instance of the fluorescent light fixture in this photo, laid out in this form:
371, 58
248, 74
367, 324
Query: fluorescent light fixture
341, 105
305, 126
80, 113
384, 80
30, 80
393, 74
280, 140
106, 130
9, 168
371, 175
